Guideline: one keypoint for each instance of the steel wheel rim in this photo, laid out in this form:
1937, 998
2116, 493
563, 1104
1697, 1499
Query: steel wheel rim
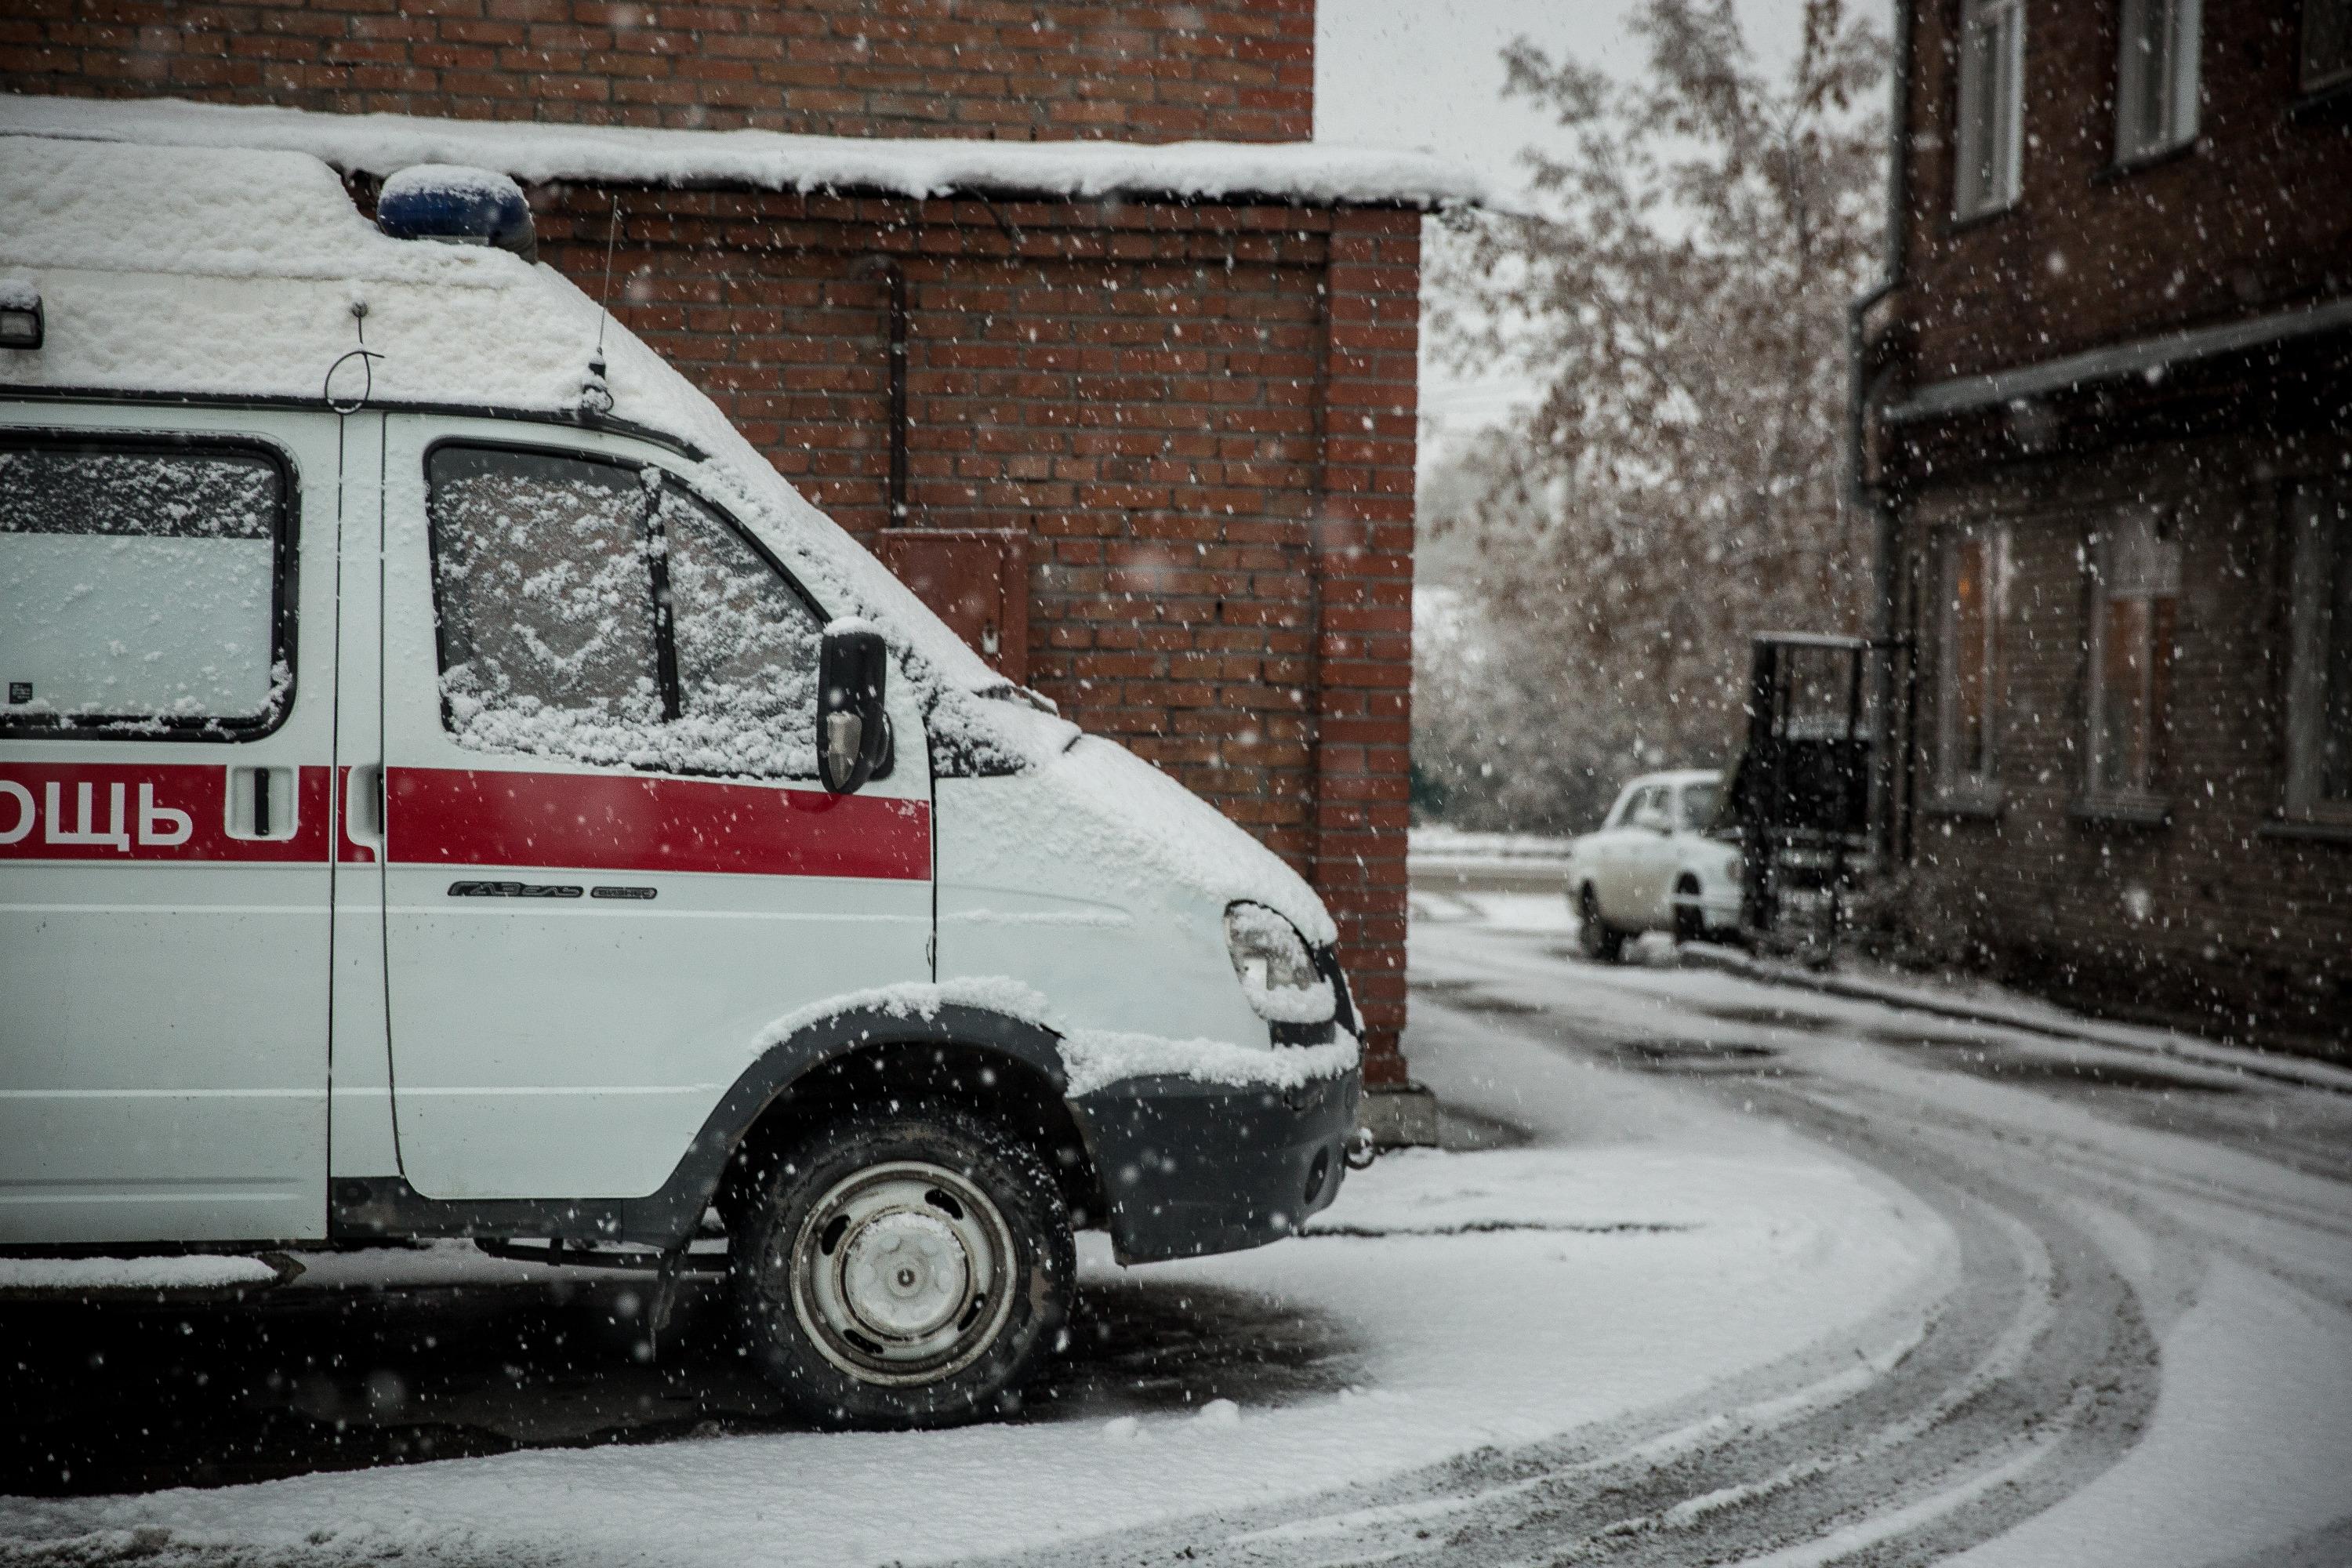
901, 1273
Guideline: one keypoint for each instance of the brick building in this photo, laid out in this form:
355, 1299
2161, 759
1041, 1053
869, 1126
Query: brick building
1144, 431
2104, 407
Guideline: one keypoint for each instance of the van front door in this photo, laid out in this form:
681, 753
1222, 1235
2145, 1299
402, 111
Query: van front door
610, 873
167, 639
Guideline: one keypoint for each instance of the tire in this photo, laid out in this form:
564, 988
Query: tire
1601, 942
975, 1237
1690, 916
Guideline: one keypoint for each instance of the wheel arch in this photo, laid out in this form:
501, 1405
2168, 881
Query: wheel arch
1005, 1069
1001, 1065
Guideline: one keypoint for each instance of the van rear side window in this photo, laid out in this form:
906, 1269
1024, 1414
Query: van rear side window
142, 590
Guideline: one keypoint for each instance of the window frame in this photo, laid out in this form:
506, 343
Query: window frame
2307, 628
2184, 89
2309, 83
1977, 790
666, 677
1970, 142
284, 650
2145, 798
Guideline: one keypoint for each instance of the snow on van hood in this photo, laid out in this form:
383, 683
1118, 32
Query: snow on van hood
1097, 804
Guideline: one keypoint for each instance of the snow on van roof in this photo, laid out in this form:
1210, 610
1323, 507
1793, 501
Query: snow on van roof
1314, 172
231, 273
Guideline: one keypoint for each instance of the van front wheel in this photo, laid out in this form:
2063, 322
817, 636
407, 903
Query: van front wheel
910, 1270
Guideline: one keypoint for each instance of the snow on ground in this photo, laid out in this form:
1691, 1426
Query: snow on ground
1857, 992
74, 1276
1535, 913
2215, 1188
1642, 1251
2256, 1401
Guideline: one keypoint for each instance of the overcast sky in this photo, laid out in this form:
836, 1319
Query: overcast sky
1428, 74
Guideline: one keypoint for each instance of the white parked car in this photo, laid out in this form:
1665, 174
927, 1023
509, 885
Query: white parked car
450, 786
1653, 866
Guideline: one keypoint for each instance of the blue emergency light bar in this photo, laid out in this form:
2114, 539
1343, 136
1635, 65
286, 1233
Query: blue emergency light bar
457, 206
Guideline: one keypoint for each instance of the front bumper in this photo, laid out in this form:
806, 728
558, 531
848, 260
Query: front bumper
1191, 1168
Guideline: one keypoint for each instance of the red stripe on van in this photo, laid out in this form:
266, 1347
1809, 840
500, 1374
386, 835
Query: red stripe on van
146, 811
598, 822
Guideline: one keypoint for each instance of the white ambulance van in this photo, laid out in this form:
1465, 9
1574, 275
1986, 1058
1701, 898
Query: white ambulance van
451, 786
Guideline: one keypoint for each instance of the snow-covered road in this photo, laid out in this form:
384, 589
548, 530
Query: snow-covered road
1740, 1274
2144, 1356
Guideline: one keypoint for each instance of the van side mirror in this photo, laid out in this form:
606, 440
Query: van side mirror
853, 732
1651, 818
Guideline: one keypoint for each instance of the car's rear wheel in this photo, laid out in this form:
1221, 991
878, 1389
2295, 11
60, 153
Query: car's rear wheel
1601, 942
911, 1271
1690, 915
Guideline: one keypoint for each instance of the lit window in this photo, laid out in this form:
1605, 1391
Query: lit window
1969, 659
2136, 575
1993, 103
2319, 677
2327, 42
2155, 77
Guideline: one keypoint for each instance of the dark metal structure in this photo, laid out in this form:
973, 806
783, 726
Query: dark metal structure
1812, 793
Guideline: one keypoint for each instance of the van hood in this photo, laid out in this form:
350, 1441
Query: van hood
1095, 804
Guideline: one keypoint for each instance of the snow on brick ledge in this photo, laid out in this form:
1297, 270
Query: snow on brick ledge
768, 160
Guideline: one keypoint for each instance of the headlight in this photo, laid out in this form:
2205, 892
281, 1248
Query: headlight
1277, 972
1732, 870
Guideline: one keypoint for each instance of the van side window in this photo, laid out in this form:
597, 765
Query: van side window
539, 571
551, 573
747, 649
143, 589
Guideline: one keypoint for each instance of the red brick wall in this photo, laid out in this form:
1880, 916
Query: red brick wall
2251, 217
1201, 416
1229, 69
2212, 918
2218, 914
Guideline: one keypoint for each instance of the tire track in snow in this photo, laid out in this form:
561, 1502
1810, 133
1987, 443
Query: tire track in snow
2033, 1375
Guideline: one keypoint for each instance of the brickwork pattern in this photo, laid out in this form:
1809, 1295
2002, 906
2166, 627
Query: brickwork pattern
2209, 916
2249, 219
1201, 416
1026, 69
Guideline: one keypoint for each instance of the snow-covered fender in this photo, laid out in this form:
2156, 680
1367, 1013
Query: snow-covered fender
389, 1207
1186, 1167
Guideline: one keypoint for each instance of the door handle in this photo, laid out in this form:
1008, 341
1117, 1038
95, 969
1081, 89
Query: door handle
262, 804
362, 812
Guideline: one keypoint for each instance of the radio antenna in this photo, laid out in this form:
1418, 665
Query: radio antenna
605, 300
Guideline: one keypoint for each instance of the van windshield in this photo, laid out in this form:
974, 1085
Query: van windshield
1699, 801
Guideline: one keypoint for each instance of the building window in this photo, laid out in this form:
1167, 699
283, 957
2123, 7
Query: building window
2155, 77
1993, 102
2134, 613
2319, 668
1971, 594
2326, 43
